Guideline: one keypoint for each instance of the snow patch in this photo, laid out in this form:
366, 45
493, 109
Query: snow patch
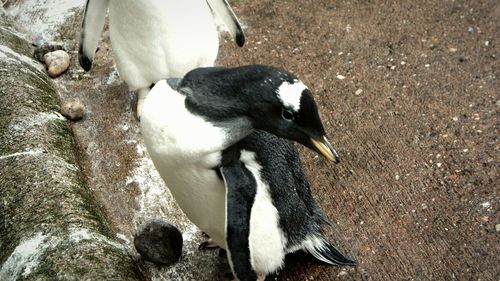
79, 234
25, 257
34, 152
42, 18
14, 32
36, 120
10, 55
113, 77
155, 196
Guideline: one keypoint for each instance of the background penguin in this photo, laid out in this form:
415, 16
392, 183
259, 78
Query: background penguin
245, 188
156, 39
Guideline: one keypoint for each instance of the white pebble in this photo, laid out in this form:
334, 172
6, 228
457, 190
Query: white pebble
358, 92
486, 204
340, 77
57, 62
73, 110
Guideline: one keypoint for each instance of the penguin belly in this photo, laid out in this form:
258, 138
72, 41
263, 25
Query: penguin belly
159, 39
201, 195
185, 148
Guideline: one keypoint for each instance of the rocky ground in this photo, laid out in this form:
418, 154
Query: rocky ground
409, 95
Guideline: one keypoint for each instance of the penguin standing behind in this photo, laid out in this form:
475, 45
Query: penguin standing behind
156, 39
214, 138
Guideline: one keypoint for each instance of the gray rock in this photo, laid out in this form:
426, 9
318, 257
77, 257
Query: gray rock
43, 49
50, 226
159, 242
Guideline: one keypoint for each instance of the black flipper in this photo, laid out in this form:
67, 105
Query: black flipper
240, 194
224, 11
92, 25
83, 59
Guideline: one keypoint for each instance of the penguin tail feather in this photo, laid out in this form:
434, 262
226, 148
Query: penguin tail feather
327, 253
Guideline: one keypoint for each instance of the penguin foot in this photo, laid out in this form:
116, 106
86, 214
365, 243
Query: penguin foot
208, 245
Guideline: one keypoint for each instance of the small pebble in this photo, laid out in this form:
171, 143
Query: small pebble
342, 273
453, 50
73, 110
57, 62
497, 227
486, 205
159, 242
340, 77
358, 92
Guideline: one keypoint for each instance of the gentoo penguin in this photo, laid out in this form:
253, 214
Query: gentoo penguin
214, 137
156, 39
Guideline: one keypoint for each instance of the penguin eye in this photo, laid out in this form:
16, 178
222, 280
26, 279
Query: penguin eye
287, 115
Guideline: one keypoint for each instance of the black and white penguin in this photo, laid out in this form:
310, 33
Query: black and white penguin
214, 137
156, 39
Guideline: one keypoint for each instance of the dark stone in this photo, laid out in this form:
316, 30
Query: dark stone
159, 242
41, 50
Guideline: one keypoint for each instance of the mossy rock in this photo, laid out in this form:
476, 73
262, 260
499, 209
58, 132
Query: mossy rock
50, 225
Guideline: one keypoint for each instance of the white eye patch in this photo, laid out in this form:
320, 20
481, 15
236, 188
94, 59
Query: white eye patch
290, 93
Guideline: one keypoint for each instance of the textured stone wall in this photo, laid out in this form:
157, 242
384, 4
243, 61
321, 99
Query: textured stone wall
50, 226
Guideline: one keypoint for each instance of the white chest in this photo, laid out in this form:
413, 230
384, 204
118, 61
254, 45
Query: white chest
175, 134
185, 149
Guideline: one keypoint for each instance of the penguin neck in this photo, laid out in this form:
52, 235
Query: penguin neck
226, 106
227, 116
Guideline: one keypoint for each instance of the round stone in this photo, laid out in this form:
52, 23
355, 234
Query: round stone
159, 242
57, 62
73, 110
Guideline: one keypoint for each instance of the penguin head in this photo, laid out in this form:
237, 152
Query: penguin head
271, 99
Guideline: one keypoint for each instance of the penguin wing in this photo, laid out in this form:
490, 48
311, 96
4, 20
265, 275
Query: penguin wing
240, 193
93, 22
222, 9
300, 216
